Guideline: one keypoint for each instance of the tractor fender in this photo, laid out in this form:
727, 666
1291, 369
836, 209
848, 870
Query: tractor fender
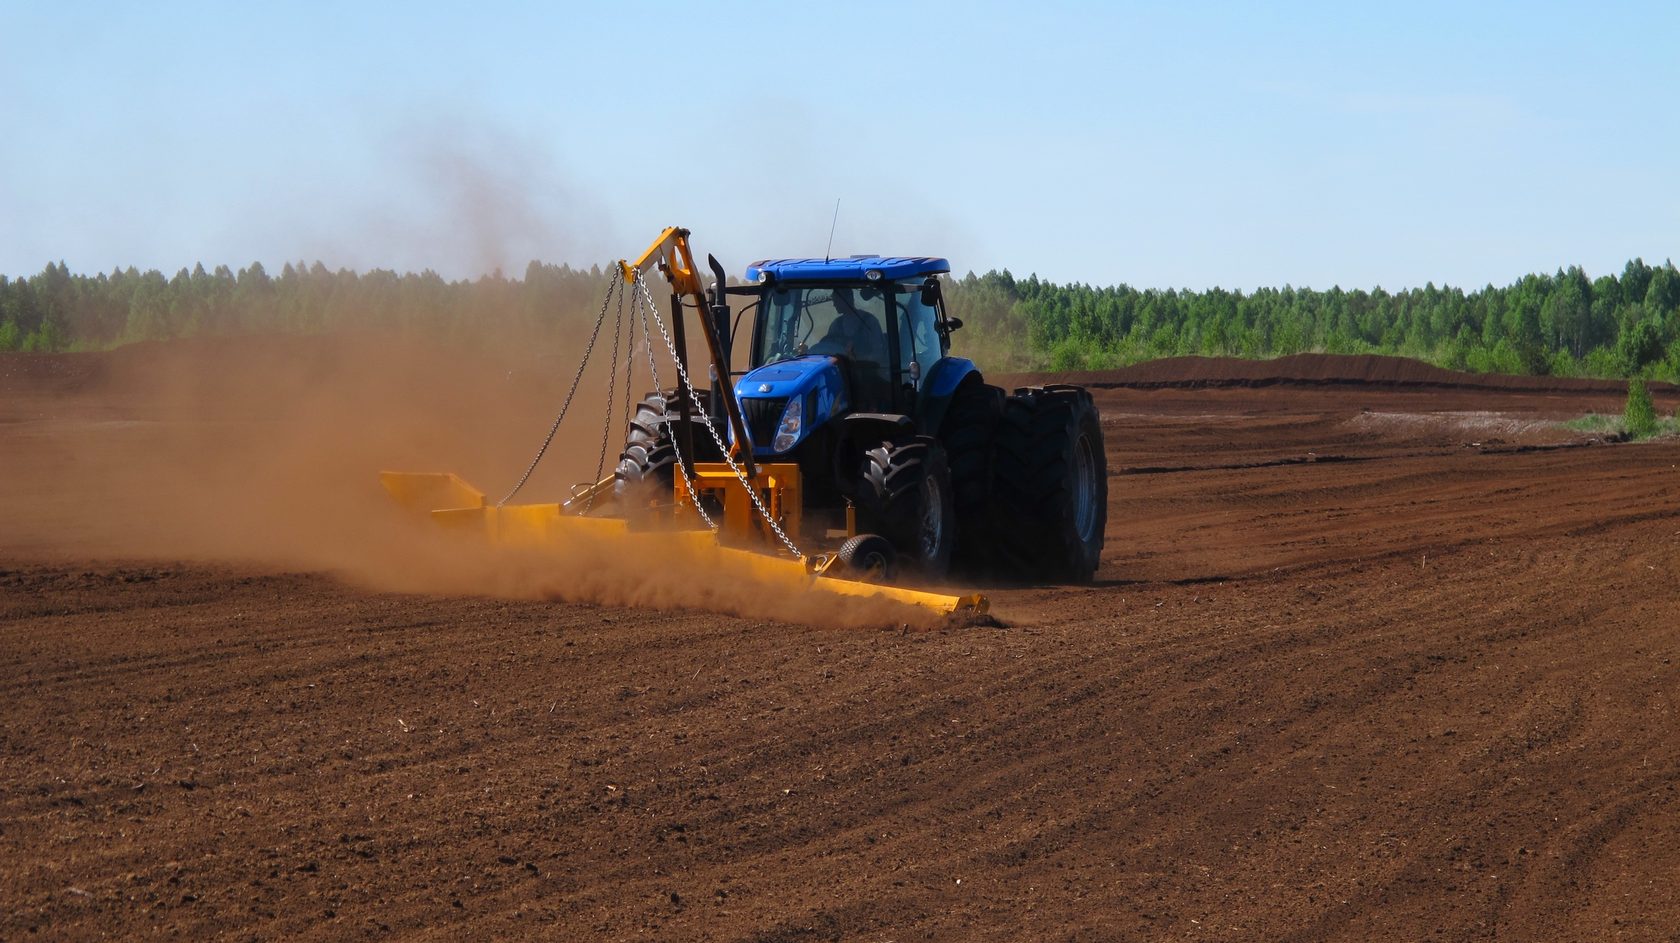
877, 426
941, 381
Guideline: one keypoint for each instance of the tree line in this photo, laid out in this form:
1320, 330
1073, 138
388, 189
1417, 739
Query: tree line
1565, 324
56, 310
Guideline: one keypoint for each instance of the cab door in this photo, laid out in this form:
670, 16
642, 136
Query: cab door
919, 347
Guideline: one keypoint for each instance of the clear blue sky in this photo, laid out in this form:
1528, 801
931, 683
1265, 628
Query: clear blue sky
1162, 145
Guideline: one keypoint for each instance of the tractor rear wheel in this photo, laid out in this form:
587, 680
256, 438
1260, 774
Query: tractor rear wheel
967, 432
1050, 485
647, 467
905, 495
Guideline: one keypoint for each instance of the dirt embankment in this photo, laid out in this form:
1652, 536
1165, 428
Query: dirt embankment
1347, 370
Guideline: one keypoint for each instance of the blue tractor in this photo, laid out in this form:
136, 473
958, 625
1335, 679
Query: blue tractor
900, 445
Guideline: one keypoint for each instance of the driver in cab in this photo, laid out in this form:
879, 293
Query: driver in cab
860, 337
854, 334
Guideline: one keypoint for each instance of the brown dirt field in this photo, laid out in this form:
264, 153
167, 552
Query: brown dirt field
1365, 660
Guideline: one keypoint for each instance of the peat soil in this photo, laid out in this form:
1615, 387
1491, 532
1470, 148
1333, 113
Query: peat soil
1364, 661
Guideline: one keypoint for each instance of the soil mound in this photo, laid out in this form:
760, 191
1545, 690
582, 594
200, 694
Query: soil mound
1317, 370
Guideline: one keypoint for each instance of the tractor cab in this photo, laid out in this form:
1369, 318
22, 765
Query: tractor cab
860, 335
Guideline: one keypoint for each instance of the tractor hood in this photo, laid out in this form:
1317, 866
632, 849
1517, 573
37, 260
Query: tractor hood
783, 402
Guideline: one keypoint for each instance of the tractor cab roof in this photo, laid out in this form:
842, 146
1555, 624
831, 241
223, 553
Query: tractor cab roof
850, 269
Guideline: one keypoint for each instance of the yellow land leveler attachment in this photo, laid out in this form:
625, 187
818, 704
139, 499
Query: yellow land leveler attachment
737, 518
463, 509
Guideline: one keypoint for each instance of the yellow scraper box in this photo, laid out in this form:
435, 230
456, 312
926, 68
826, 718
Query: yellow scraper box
459, 507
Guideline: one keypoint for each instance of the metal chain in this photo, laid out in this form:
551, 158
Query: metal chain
637, 308
599, 319
612, 395
705, 416
629, 369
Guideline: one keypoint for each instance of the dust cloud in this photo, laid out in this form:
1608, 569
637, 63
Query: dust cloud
461, 195
266, 451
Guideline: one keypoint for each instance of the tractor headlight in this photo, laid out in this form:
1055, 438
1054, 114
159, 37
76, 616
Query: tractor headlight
787, 432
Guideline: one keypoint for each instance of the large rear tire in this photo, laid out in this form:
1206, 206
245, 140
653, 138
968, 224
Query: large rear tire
968, 432
905, 495
647, 467
1050, 485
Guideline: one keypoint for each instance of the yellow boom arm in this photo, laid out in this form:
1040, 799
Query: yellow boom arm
670, 252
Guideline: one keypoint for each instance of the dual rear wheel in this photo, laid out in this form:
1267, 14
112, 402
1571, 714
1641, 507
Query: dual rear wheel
1015, 487
1049, 486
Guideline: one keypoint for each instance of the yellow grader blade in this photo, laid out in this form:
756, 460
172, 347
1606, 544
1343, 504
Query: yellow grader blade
458, 506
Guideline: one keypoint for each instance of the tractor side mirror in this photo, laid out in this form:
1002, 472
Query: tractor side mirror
952, 324
930, 293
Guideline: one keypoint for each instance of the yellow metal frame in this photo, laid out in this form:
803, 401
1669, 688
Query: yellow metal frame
459, 507
779, 488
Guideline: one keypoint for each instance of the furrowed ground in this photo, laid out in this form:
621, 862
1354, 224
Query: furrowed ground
1367, 658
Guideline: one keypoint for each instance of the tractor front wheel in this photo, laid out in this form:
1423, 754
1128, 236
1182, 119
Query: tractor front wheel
905, 494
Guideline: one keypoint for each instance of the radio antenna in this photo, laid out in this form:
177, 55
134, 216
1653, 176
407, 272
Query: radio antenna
829, 252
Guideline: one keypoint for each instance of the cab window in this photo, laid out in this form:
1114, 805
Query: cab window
842, 321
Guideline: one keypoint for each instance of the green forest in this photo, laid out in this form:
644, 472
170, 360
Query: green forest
1564, 324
